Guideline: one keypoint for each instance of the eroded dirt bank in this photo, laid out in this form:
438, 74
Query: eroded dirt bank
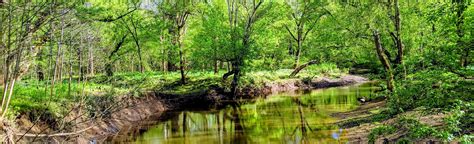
133, 112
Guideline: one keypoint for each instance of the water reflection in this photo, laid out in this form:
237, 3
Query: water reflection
302, 117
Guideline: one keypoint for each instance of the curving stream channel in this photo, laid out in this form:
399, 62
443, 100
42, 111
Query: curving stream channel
290, 117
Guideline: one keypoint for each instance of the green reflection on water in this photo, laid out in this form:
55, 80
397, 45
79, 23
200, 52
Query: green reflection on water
297, 117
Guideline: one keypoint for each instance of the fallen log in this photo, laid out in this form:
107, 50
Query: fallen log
301, 67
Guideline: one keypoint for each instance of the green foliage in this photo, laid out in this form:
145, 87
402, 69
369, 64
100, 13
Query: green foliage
467, 139
415, 129
381, 130
83, 38
430, 89
435, 91
326, 69
31, 95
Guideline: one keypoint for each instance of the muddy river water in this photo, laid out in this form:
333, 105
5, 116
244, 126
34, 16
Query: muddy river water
290, 117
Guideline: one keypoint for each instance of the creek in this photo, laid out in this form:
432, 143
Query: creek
289, 117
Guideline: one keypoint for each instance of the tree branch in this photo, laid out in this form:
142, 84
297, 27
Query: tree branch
293, 36
117, 18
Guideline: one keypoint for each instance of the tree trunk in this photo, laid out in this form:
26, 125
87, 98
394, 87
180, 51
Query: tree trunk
299, 68
216, 66
399, 44
91, 58
236, 78
181, 30
163, 54
297, 55
70, 73
181, 65
80, 49
299, 42
7, 61
384, 60
460, 8
290, 47
133, 30
140, 62
57, 64
181, 58
39, 68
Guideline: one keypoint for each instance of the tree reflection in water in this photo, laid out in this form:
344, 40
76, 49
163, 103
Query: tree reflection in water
282, 118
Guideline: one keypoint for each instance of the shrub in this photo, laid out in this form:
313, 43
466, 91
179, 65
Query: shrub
381, 130
430, 89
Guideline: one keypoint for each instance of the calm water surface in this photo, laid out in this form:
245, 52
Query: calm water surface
293, 117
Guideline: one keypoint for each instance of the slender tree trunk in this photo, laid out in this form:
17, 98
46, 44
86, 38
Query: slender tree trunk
14, 76
460, 8
39, 68
399, 44
181, 30
163, 54
235, 81
133, 31
216, 62
384, 60
181, 64
80, 55
61, 66
298, 48
6, 69
70, 73
297, 55
140, 61
216, 66
290, 47
91, 57
57, 65
132, 66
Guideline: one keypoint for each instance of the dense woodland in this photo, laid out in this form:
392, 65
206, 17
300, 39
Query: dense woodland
78, 55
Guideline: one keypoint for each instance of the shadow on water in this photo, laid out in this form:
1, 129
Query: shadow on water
293, 117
